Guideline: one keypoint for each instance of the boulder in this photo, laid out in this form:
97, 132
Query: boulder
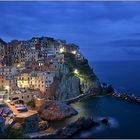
85, 123
55, 110
104, 121
18, 126
43, 125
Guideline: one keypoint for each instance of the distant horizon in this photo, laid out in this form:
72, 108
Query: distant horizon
112, 60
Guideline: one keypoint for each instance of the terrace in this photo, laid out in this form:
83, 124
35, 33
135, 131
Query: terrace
18, 114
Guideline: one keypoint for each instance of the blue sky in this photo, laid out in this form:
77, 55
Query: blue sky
103, 30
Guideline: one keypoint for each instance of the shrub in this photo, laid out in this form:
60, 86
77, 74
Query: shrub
31, 104
12, 133
82, 66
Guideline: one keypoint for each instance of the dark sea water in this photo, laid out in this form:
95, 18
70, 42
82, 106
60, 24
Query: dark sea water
123, 75
124, 116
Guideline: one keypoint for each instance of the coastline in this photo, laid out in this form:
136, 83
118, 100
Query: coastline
124, 96
81, 123
44, 134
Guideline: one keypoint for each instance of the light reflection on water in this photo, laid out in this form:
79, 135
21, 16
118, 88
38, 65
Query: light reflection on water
119, 112
89, 108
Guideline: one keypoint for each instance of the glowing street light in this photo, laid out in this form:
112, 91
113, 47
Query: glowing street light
61, 50
73, 52
76, 71
18, 65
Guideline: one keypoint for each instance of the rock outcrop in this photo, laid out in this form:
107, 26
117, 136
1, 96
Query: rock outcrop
43, 125
91, 86
104, 121
68, 87
31, 124
55, 110
62, 133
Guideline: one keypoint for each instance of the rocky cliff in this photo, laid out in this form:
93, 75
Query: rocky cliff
88, 86
71, 83
68, 87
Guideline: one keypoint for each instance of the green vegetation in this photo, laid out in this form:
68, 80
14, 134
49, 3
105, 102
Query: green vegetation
12, 133
82, 66
31, 104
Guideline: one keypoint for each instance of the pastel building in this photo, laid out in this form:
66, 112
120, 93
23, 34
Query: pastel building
32, 55
7, 82
23, 80
8, 70
8, 77
41, 80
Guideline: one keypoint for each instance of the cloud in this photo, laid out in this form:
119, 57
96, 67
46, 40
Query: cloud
94, 26
125, 43
133, 51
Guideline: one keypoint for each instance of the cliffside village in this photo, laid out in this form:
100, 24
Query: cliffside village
28, 69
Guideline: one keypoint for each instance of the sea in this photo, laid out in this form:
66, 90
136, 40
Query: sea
124, 117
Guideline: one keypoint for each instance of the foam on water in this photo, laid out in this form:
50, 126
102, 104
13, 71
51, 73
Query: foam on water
89, 133
98, 129
113, 123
